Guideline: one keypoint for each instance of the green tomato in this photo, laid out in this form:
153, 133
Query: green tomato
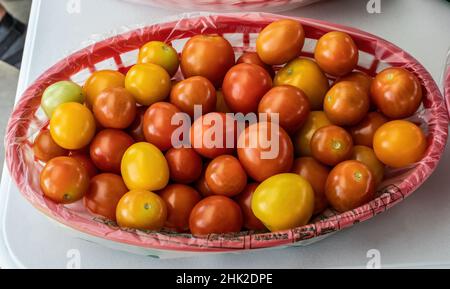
59, 93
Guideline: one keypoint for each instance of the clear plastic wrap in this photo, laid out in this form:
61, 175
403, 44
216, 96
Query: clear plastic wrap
119, 52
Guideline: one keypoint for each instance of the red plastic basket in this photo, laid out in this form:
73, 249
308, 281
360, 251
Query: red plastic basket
241, 29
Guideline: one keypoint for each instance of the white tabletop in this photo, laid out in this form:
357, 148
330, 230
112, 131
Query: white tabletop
415, 233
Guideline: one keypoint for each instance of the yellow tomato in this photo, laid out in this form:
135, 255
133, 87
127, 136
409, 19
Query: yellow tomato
302, 139
101, 80
284, 201
144, 167
141, 209
367, 156
72, 126
305, 74
148, 83
160, 53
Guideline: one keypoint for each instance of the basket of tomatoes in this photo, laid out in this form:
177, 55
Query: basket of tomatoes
225, 133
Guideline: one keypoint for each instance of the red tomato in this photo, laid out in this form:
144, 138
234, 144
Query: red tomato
87, 163
244, 200
358, 77
202, 186
331, 145
253, 58
363, 132
185, 165
225, 176
135, 129
114, 108
45, 148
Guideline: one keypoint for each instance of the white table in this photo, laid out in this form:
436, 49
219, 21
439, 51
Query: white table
416, 233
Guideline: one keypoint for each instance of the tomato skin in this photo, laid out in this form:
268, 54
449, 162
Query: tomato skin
336, 53
302, 139
215, 215
160, 53
364, 132
306, 75
196, 90
135, 129
142, 210
316, 174
114, 108
358, 77
201, 185
346, 103
221, 105
349, 185
331, 145
101, 80
244, 200
157, 125
185, 165
253, 58
45, 148
396, 92
280, 41
290, 103
244, 86
87, 163
399, 143
59, 93
64, 180
105, 192
283, 201
180, 200
258, 166
210, 56
226, 176
367, 156
107, 149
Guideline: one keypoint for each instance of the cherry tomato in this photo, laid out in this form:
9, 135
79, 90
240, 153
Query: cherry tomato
280, 41
336, 53
180, 200
399, 143
363, 132
264, 150
45, 148
346, 103
290, 103
215, 215
144, 167
142, 210
306, 75
148, 83
253, 58
160, 53
196, 90
58, 93
221, 105
107, 149
185, 165
396, 92
105, 192
244, 200
367, 156
316, 174
302, 140
114, 108
349, 185
157, 125
284, 201
87, 163
101, 80
331, 145
361, 78
209, 56
226, 176
72, 126
202, 186
135, 129
64, 180
244, 86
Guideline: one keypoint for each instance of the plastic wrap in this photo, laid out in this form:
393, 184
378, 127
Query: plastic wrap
120, 52
447, 80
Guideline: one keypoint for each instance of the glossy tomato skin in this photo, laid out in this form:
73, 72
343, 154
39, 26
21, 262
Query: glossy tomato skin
210, 56
105, 192
107, 149
135, 129
114, 108
101, 80
215, 215
280, 41
367, 156
180, 200
195, 90
64, 180
87, 163
201, 186
244, 200
396, 92
349, 185
316, 174
364, 132
226, 176
185, 165
302, 139
290, 103
157, 125
336, 53
358, 77
160, 53
331, 145
346, 103
221, 105
45, 148
253, 58
244, 86
261, 161
399, 143
58, 93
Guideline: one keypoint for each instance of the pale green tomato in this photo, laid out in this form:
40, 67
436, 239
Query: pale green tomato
59, 93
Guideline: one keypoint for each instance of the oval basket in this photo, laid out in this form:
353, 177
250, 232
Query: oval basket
241, 29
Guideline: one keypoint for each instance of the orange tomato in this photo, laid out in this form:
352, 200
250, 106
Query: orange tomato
101, 80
